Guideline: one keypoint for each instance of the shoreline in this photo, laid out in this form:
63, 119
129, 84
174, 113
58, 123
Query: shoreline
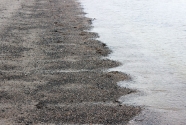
52, 71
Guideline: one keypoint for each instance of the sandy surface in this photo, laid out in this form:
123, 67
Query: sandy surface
51, 67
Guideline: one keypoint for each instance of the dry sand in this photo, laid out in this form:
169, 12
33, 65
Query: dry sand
51, 67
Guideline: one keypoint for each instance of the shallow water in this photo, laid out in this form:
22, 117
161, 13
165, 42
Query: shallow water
149, 38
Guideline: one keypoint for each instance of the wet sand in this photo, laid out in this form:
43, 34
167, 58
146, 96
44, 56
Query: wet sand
52, 70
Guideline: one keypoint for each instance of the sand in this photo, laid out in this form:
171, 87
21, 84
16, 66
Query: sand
52, 70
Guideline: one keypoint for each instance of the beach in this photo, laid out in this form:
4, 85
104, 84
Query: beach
53, 70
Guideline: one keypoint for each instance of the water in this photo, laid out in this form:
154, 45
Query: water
149, 38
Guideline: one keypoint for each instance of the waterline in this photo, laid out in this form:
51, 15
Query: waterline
148, 38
